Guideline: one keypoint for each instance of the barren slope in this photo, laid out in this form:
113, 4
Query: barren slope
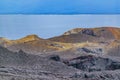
89, 34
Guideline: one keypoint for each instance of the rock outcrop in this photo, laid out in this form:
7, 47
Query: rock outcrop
92, 63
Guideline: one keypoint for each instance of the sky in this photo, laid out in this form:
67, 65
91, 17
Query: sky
46, 26
48, 18
59, 6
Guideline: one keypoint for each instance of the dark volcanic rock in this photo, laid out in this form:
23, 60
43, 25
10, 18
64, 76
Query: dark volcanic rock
115, 51
93, 50
92, 63
23, 66
88, 32
54, 57
102, 75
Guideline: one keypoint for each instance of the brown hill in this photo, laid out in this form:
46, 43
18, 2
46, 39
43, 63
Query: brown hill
31, 44
4, 41
89, 34
28, 38
35, 46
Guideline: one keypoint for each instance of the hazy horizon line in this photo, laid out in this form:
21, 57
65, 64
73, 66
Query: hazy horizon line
59, 13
